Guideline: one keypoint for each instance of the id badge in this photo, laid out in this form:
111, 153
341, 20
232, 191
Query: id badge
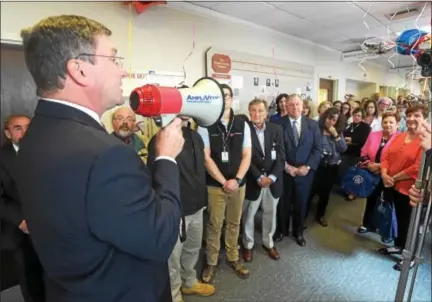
273, 154
225, 157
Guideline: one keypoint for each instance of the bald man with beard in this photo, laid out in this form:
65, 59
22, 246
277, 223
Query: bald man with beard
123, 122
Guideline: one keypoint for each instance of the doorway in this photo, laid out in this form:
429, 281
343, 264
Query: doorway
18, 90
326, 90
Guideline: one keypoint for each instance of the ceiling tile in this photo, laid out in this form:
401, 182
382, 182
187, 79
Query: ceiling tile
243, 10
384, 7
305, 9
274, 19
334, 20
325, 35
381, 10
208, 4
405, 25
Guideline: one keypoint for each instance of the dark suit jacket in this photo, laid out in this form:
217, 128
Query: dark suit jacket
262, 163
308, 152
10, 206
100, 230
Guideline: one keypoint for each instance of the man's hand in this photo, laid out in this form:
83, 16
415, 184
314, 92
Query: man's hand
231, 185
23, 227
169, 140
303, 171
425, 135
266, 182
291, 170
388, 181
348, 140
415, 196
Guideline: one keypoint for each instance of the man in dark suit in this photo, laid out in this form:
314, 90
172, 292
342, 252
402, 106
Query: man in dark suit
101, 232
264, 182
302, 156
15, 240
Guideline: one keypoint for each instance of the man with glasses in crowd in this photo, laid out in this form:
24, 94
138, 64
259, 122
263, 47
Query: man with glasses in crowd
123, 123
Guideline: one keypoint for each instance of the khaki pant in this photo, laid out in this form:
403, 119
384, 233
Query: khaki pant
185, 256
222, 206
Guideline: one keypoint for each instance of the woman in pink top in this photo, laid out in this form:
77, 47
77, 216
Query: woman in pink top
375, 144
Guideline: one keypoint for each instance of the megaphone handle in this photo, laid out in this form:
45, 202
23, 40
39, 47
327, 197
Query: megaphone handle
164, 120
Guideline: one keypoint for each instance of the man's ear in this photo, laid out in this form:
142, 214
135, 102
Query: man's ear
8, 134
78, 72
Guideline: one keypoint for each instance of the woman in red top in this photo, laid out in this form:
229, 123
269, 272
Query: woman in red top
399, 168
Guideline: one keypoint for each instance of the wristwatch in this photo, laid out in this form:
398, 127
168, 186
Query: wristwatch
239, 180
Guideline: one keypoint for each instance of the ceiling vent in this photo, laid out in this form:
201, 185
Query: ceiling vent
406, 13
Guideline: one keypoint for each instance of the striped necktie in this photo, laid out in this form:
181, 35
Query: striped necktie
295, 133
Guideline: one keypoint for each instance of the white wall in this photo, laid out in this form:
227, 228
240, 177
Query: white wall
162, 38
361, 89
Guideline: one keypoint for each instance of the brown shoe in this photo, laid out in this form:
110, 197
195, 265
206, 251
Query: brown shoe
247, 255
273, 253
239, 269
200, 289
208, 273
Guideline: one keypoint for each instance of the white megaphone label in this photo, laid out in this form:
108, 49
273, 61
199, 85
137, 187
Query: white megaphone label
203, 102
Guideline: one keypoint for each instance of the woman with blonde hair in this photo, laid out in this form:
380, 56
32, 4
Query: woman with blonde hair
309, 109
322, 107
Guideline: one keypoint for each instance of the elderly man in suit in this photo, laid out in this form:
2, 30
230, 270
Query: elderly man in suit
303, 153
264, 182
102, 233
15, 240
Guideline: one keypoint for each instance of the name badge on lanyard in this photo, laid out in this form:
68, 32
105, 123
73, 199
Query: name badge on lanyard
225, 154
273, 152
225, 157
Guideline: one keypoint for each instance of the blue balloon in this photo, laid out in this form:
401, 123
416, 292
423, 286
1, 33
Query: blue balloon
407, 40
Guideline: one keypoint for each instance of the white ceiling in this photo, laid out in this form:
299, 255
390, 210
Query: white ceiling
339, 25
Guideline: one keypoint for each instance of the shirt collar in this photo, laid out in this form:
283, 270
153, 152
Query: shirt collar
86, 110
16, 148
263, 128
297, 120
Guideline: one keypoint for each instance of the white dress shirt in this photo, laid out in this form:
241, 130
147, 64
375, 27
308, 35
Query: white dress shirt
86, 110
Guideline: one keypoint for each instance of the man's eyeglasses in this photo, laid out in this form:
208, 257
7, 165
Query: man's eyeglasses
123, 119
117, 60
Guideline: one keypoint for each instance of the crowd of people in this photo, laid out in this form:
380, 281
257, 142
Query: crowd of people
90, 218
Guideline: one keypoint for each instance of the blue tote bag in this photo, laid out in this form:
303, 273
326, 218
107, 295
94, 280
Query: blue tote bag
360, 182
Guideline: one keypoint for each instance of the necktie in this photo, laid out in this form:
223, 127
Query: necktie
295, 133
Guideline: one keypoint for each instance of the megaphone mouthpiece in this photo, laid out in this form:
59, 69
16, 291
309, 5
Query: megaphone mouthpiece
152, 100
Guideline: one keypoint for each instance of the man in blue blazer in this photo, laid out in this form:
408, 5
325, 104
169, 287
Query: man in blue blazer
102, 226
303, 152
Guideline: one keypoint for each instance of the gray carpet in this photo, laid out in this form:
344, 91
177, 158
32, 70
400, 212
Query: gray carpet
336, 265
